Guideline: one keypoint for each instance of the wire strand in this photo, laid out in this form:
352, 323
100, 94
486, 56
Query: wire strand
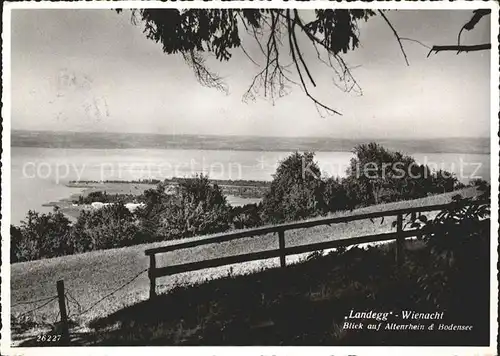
39, 307
74, 301
113, 292
32, 301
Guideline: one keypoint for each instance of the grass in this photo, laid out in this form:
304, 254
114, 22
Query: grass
91, 276
308, 303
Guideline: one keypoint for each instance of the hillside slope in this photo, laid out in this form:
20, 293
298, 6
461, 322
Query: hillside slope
88, 277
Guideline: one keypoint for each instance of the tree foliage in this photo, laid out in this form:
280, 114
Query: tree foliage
282, 36
377, 174
246, 216
296, 191
41, 236
108, 227
195, 207
195, 33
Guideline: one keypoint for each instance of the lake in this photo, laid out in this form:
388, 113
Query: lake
40, 175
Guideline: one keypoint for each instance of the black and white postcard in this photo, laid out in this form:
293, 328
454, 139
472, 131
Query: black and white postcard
265, 174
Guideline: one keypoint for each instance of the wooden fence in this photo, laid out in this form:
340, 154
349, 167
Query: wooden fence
399, 235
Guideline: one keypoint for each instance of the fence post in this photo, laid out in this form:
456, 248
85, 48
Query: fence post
399, 240
62, 310
281, 239
152, 277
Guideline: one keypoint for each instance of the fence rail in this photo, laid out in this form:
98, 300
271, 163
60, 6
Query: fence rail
283, 251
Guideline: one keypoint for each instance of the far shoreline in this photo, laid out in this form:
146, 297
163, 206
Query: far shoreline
206, 142
137, 187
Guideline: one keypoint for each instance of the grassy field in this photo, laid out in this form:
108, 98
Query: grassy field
91, 276
308, 304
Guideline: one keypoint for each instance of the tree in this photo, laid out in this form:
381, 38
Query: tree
18, 252
335, 195
204, 207
444, 181
195, 207
246, 216
377, 175
459, 47
108, 227
41, 236
380, 174
374, 168
280, 35
296, 191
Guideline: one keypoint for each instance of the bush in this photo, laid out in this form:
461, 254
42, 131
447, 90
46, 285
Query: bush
480, 183
104, 197
296, 191
336, 195
378, 175
196, 207
443, 182
455, 230
111, 226
381, 174
246, 216
41, 236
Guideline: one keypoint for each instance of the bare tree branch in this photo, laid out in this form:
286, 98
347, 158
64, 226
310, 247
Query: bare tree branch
292, 51
273, 77
294, 37
395, 34
255, 35
206, 78
346, 74
478, 15
241, 45
248, 56
416, 41
196, 33
461, 48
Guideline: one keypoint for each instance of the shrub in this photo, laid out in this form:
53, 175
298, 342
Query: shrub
480, 183
382, 175
111, 226
104, 197
456, 229
443, 182
296, 191
246, 216
196, 207
336, 195
41, 236
377, 175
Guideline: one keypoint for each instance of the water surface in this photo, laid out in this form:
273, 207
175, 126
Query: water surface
40, 175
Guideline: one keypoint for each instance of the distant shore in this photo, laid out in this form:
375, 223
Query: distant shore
114, 140
238, 192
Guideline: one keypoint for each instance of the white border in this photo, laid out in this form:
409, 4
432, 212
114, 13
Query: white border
289, 351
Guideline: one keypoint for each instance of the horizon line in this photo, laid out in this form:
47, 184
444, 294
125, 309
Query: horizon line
260, 136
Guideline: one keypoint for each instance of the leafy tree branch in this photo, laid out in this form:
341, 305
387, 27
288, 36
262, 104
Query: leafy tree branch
196, 33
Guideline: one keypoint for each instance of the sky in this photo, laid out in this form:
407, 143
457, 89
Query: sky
93, 70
